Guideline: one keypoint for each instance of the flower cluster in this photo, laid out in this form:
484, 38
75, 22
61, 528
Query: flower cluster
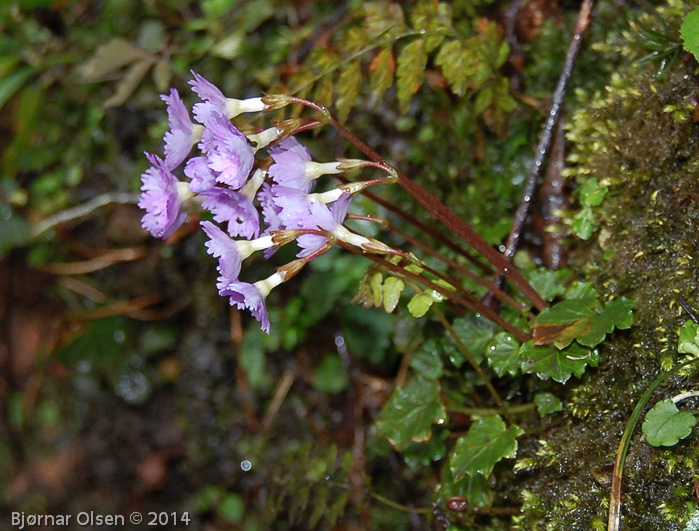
260, 209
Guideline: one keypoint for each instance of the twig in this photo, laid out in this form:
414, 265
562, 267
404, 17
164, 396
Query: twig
687, 308
547, 136
83, 210
241, 379
95, 264
285, 382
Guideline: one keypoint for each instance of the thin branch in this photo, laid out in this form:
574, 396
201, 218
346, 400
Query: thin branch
84, 209
542, 149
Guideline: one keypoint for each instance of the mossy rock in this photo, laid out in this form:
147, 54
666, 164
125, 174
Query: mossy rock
639, 137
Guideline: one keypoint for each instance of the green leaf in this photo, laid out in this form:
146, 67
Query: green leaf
548, 361
323, 93
581, 290
14, 229
427, 359
689, 31
382, 18
503, 354
410, 72
392, 289
475, 332
579, 319
547, 403
434, 18
410, 412
689, 338
475, 488
419, 305
665, 425
584, 223
547, 283
109, 57
483, 99
487, 442
330, 375
591, 193
381, 71
376, 288
13, 82
455, 61
564, 321
348, 87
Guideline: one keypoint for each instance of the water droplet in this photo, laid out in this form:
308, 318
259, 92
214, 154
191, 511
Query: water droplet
501, 248
245, 465
133, 387
506, 271
423, 31
83, 366
119, 336
509, 338
527, 198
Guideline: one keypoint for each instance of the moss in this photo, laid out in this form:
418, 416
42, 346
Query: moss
638, 137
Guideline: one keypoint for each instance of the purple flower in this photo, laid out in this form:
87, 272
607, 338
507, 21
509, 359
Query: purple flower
202, 178
216, 102
270, 213
235, 209
231, 253
293, 166
294, 205
251, 296
321, 217
183, 134
228, 151
161, 199
289, 168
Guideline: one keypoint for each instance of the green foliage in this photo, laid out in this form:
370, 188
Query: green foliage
665, 425
590, 194
427, 359
411, 411
551, 362
330, 376
547, 283
690, 32
391, 50
487, 442
547, 403
689, 338
228, 505
503, 354
582, 320
308, 485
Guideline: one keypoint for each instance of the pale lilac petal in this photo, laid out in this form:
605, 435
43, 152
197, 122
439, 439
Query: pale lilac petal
221, 246
214, 100
202, 177
228, 151
235, 209
270, 214
246, 296
289, 168
160, 199
181, 136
